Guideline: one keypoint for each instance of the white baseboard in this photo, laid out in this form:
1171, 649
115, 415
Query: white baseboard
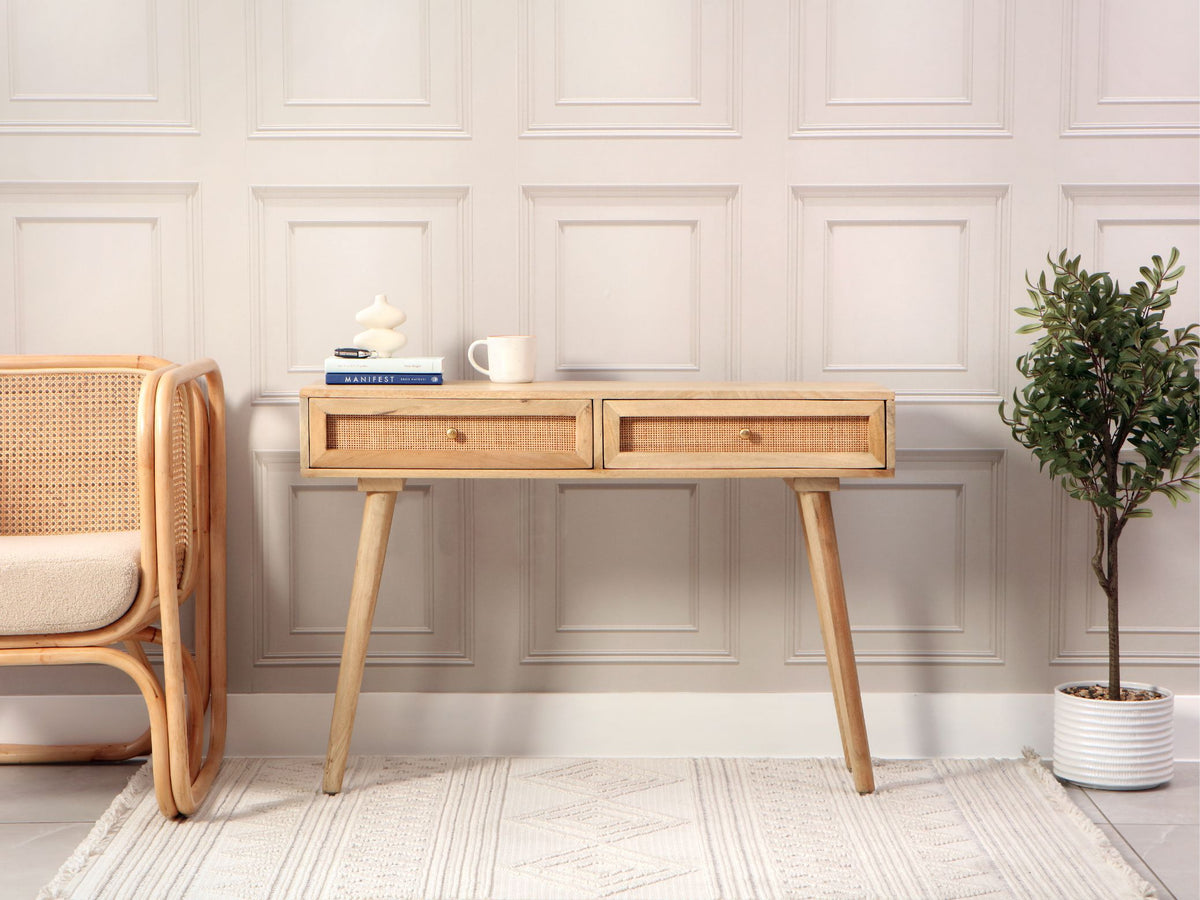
902, 726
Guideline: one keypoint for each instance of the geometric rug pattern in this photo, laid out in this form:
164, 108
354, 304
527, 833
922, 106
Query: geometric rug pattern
465, 828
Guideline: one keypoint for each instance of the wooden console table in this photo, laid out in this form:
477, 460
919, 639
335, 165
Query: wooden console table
811, 435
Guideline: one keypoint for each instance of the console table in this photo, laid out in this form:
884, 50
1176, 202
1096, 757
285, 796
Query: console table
810, 435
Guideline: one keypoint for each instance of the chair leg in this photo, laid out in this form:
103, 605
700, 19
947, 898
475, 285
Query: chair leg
185, 701
135, 650
143, 676
196, 703
43, 753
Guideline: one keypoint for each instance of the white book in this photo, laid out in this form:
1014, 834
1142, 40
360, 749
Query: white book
385, 364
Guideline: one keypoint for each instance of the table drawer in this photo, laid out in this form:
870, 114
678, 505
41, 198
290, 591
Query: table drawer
745, 434
358, 433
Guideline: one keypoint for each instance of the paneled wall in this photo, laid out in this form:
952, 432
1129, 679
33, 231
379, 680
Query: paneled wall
658, 189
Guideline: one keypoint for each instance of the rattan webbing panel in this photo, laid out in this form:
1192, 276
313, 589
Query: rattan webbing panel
68, 453
768, 434
515, 434
183, 484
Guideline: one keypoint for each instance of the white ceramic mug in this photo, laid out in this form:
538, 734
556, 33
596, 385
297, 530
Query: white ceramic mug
510, 357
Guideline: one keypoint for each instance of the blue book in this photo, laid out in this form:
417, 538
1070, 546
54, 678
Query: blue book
383, 377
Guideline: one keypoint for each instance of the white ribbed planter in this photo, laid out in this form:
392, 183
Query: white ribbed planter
1118, 746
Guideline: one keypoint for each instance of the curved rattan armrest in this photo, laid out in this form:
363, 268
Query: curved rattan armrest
209, 447
39, 361
188, 785
142, 611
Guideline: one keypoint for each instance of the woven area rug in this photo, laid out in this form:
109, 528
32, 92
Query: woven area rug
553, 829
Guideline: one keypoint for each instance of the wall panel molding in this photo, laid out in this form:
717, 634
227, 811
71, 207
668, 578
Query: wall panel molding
299, 614
632, 279
951, 76
572, 615
1154, 100
629, 69
1090, 215
688, 616
404, 76
1159, 624
930, 247
110, 73
950, 608
319, 254
134, 283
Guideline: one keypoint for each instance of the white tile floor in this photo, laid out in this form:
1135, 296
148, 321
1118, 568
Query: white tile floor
1157, 831
45, 811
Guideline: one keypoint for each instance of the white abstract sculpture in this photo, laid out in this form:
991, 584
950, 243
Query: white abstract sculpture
381, 318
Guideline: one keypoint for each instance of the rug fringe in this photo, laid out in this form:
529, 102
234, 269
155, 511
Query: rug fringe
106, 826
1058, 796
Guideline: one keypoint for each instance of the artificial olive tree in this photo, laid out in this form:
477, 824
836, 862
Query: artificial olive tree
1110, 407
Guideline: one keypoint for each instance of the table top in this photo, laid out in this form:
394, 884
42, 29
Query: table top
664, 390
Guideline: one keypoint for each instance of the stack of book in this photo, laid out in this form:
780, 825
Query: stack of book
384, 370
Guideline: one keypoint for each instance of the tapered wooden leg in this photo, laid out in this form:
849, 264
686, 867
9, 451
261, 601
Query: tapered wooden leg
816, 513
368, 567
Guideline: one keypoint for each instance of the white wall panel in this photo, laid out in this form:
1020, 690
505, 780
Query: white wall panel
323, 253
1111, 87
305, 547
933, 593
635, 286
630, 572
864, 258
98, 268
101, 66
632, 279
630, 68
359, 68
875, 266
390, 66
935, 68
676, 190
652, 533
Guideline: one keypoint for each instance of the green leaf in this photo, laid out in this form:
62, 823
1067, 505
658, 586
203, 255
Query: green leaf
1104, 376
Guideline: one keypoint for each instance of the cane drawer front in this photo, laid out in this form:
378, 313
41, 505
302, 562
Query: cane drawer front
360, 433
745, 434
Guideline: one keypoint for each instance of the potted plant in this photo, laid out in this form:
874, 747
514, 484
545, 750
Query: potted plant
1110, 410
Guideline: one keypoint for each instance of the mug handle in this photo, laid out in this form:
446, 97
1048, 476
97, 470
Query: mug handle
471, 357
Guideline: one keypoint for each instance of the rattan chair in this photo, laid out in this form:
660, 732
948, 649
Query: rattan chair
112, 514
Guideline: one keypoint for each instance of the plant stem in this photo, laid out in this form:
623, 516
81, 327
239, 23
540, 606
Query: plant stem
1104, 563
1114, 634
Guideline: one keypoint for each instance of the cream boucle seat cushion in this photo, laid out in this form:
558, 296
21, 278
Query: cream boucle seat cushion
58, 583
